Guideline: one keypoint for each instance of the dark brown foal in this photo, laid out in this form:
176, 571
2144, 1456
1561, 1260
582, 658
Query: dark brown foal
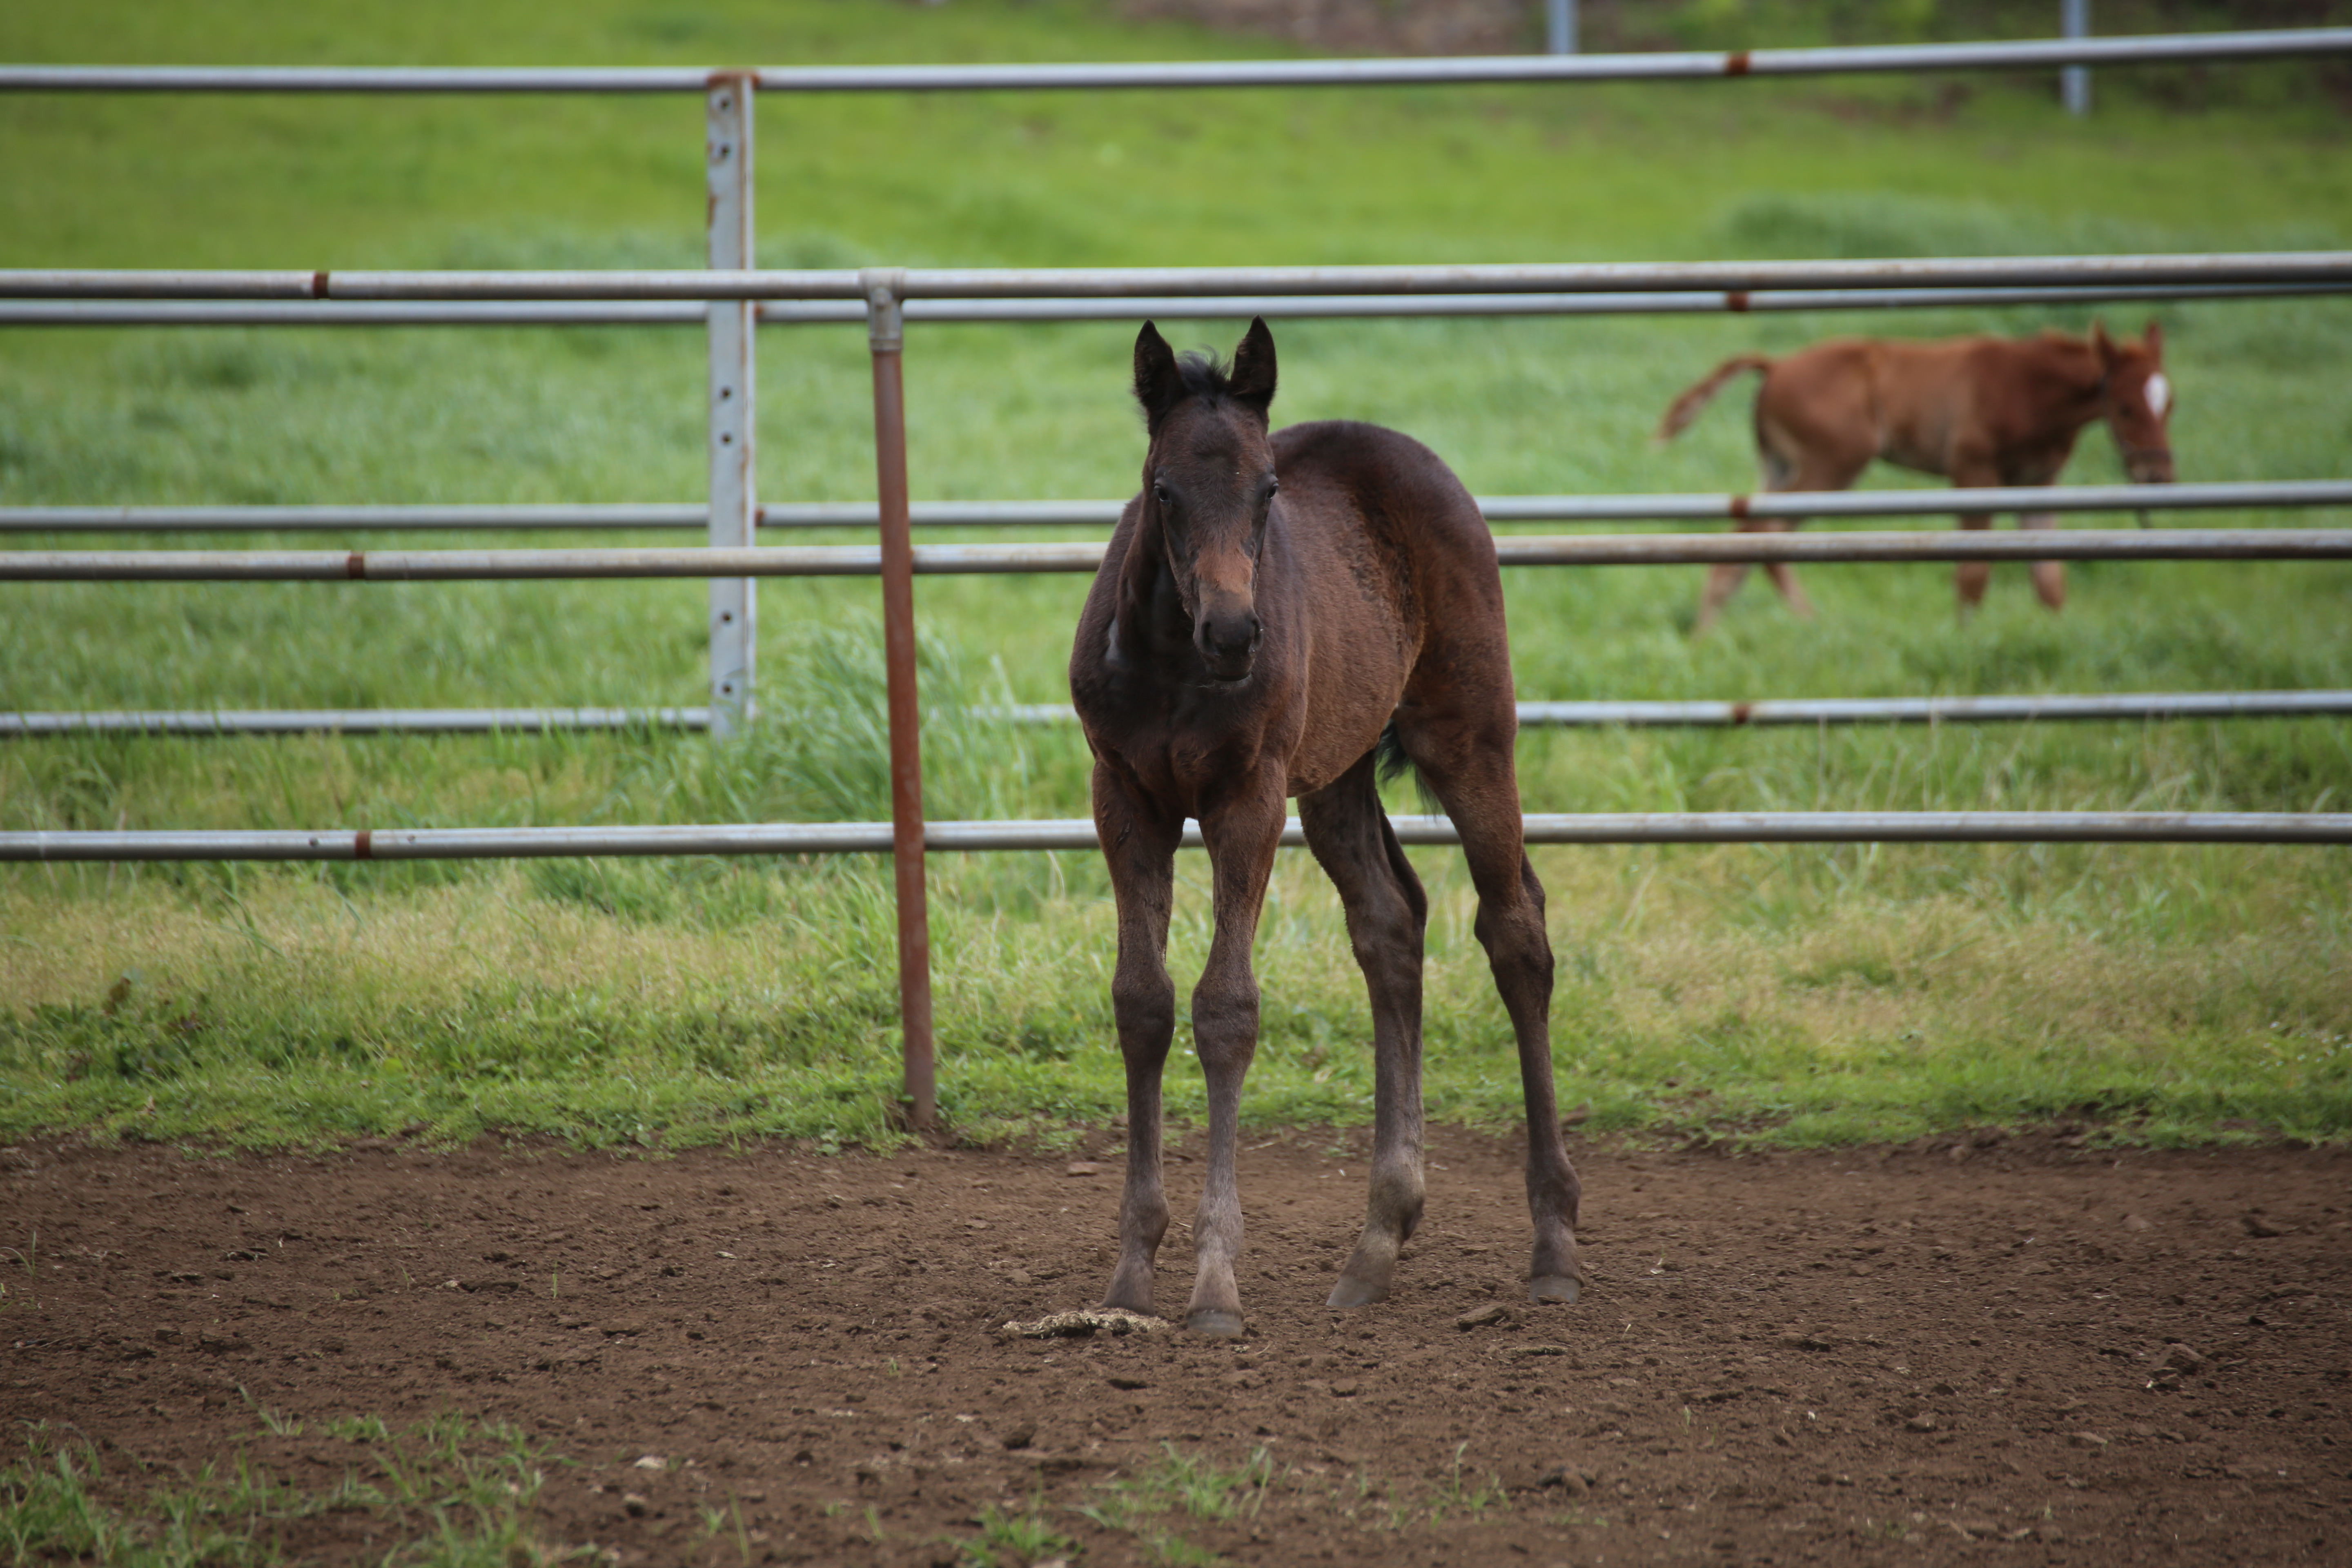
1272, 608
1978, 411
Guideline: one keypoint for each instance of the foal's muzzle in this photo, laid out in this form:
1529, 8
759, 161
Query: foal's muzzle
1228, 642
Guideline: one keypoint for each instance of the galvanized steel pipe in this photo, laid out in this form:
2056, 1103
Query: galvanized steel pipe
2037, 54
1078, 833
955, 560
2024, 709
2030, 708
2302, 268
349, 722
1662, 508
1275, 306
2155, 706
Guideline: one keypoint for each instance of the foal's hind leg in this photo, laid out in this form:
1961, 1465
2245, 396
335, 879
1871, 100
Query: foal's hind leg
1468, 766
1387, 913
1797, 469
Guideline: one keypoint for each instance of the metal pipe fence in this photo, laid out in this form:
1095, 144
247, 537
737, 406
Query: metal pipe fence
972, 560
350, 722
1695, 65
77, 312
2027, 708
2328, 269
1703, 507
731, 297
1077, 833
2033, 708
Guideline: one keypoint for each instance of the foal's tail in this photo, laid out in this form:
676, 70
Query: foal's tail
1687, 407
1394, 763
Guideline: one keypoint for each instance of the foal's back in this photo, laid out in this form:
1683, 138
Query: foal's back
1919, 404
1396, 570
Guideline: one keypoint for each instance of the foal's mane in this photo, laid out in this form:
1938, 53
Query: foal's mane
1204, 374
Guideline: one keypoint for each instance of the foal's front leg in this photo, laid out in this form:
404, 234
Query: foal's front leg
1140, 841
1242, 834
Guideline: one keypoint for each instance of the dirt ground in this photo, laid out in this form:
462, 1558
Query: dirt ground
1954, 1351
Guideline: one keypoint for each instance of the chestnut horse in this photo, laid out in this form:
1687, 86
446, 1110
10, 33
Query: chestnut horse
1978, 411
1278, 614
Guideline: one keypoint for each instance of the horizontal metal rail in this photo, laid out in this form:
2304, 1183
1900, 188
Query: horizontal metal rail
1078, 833
2029, 709
350, 722
2025, 709
2301, 268
1704, 507
964, 560
1275, 306
1680, 66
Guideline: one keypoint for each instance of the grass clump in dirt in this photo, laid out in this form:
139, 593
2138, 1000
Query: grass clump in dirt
450, 1492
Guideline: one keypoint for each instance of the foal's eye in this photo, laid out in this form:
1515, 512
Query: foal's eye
1159, 493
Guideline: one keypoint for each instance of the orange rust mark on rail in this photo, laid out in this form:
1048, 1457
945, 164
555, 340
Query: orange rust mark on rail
1736, 63
356, 564
1736, 300
363, 845
1741, 711
1739, 508
318, 285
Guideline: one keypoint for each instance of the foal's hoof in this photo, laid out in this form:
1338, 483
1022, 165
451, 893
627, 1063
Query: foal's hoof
1215, 1323
1353, 1293
1557, 1288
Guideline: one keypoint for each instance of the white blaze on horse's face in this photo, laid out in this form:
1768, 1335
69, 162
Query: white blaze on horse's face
2137, 415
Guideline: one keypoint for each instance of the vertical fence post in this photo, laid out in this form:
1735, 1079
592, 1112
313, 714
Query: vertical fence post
2075, 81
734, 499
886, 336
1559, 27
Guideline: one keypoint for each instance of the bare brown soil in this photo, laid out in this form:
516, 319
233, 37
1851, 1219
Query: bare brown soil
1939, 1353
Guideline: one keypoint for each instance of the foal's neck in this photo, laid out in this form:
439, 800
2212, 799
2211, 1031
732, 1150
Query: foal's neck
2078, 368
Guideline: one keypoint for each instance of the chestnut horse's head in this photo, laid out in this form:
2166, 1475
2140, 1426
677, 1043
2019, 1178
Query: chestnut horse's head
2138, 402
1208, 486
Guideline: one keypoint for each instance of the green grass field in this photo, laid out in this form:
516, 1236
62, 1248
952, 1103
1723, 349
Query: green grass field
1792, 994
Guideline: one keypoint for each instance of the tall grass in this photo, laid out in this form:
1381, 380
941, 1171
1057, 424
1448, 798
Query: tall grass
1815, 993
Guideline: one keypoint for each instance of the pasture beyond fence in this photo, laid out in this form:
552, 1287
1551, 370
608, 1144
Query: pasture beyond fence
732, 298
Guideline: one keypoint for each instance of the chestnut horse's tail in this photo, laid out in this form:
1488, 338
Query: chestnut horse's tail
1687, 407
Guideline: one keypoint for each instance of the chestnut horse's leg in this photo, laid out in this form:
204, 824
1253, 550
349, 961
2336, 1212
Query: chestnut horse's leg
1723, 580
1242, 833
1804, 471
2049, 576
1468, 765
1970, 577
1140, 841
1387, 914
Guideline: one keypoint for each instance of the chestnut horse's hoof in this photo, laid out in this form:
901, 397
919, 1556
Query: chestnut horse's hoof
1354, 1292
1215, 1323
1556, 1287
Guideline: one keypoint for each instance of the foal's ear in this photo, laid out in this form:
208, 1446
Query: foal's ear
1159, 384
2155, 341
1253, 378
2102, 344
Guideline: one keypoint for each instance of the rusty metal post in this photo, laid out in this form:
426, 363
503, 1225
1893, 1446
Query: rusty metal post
886, 336
734, 491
